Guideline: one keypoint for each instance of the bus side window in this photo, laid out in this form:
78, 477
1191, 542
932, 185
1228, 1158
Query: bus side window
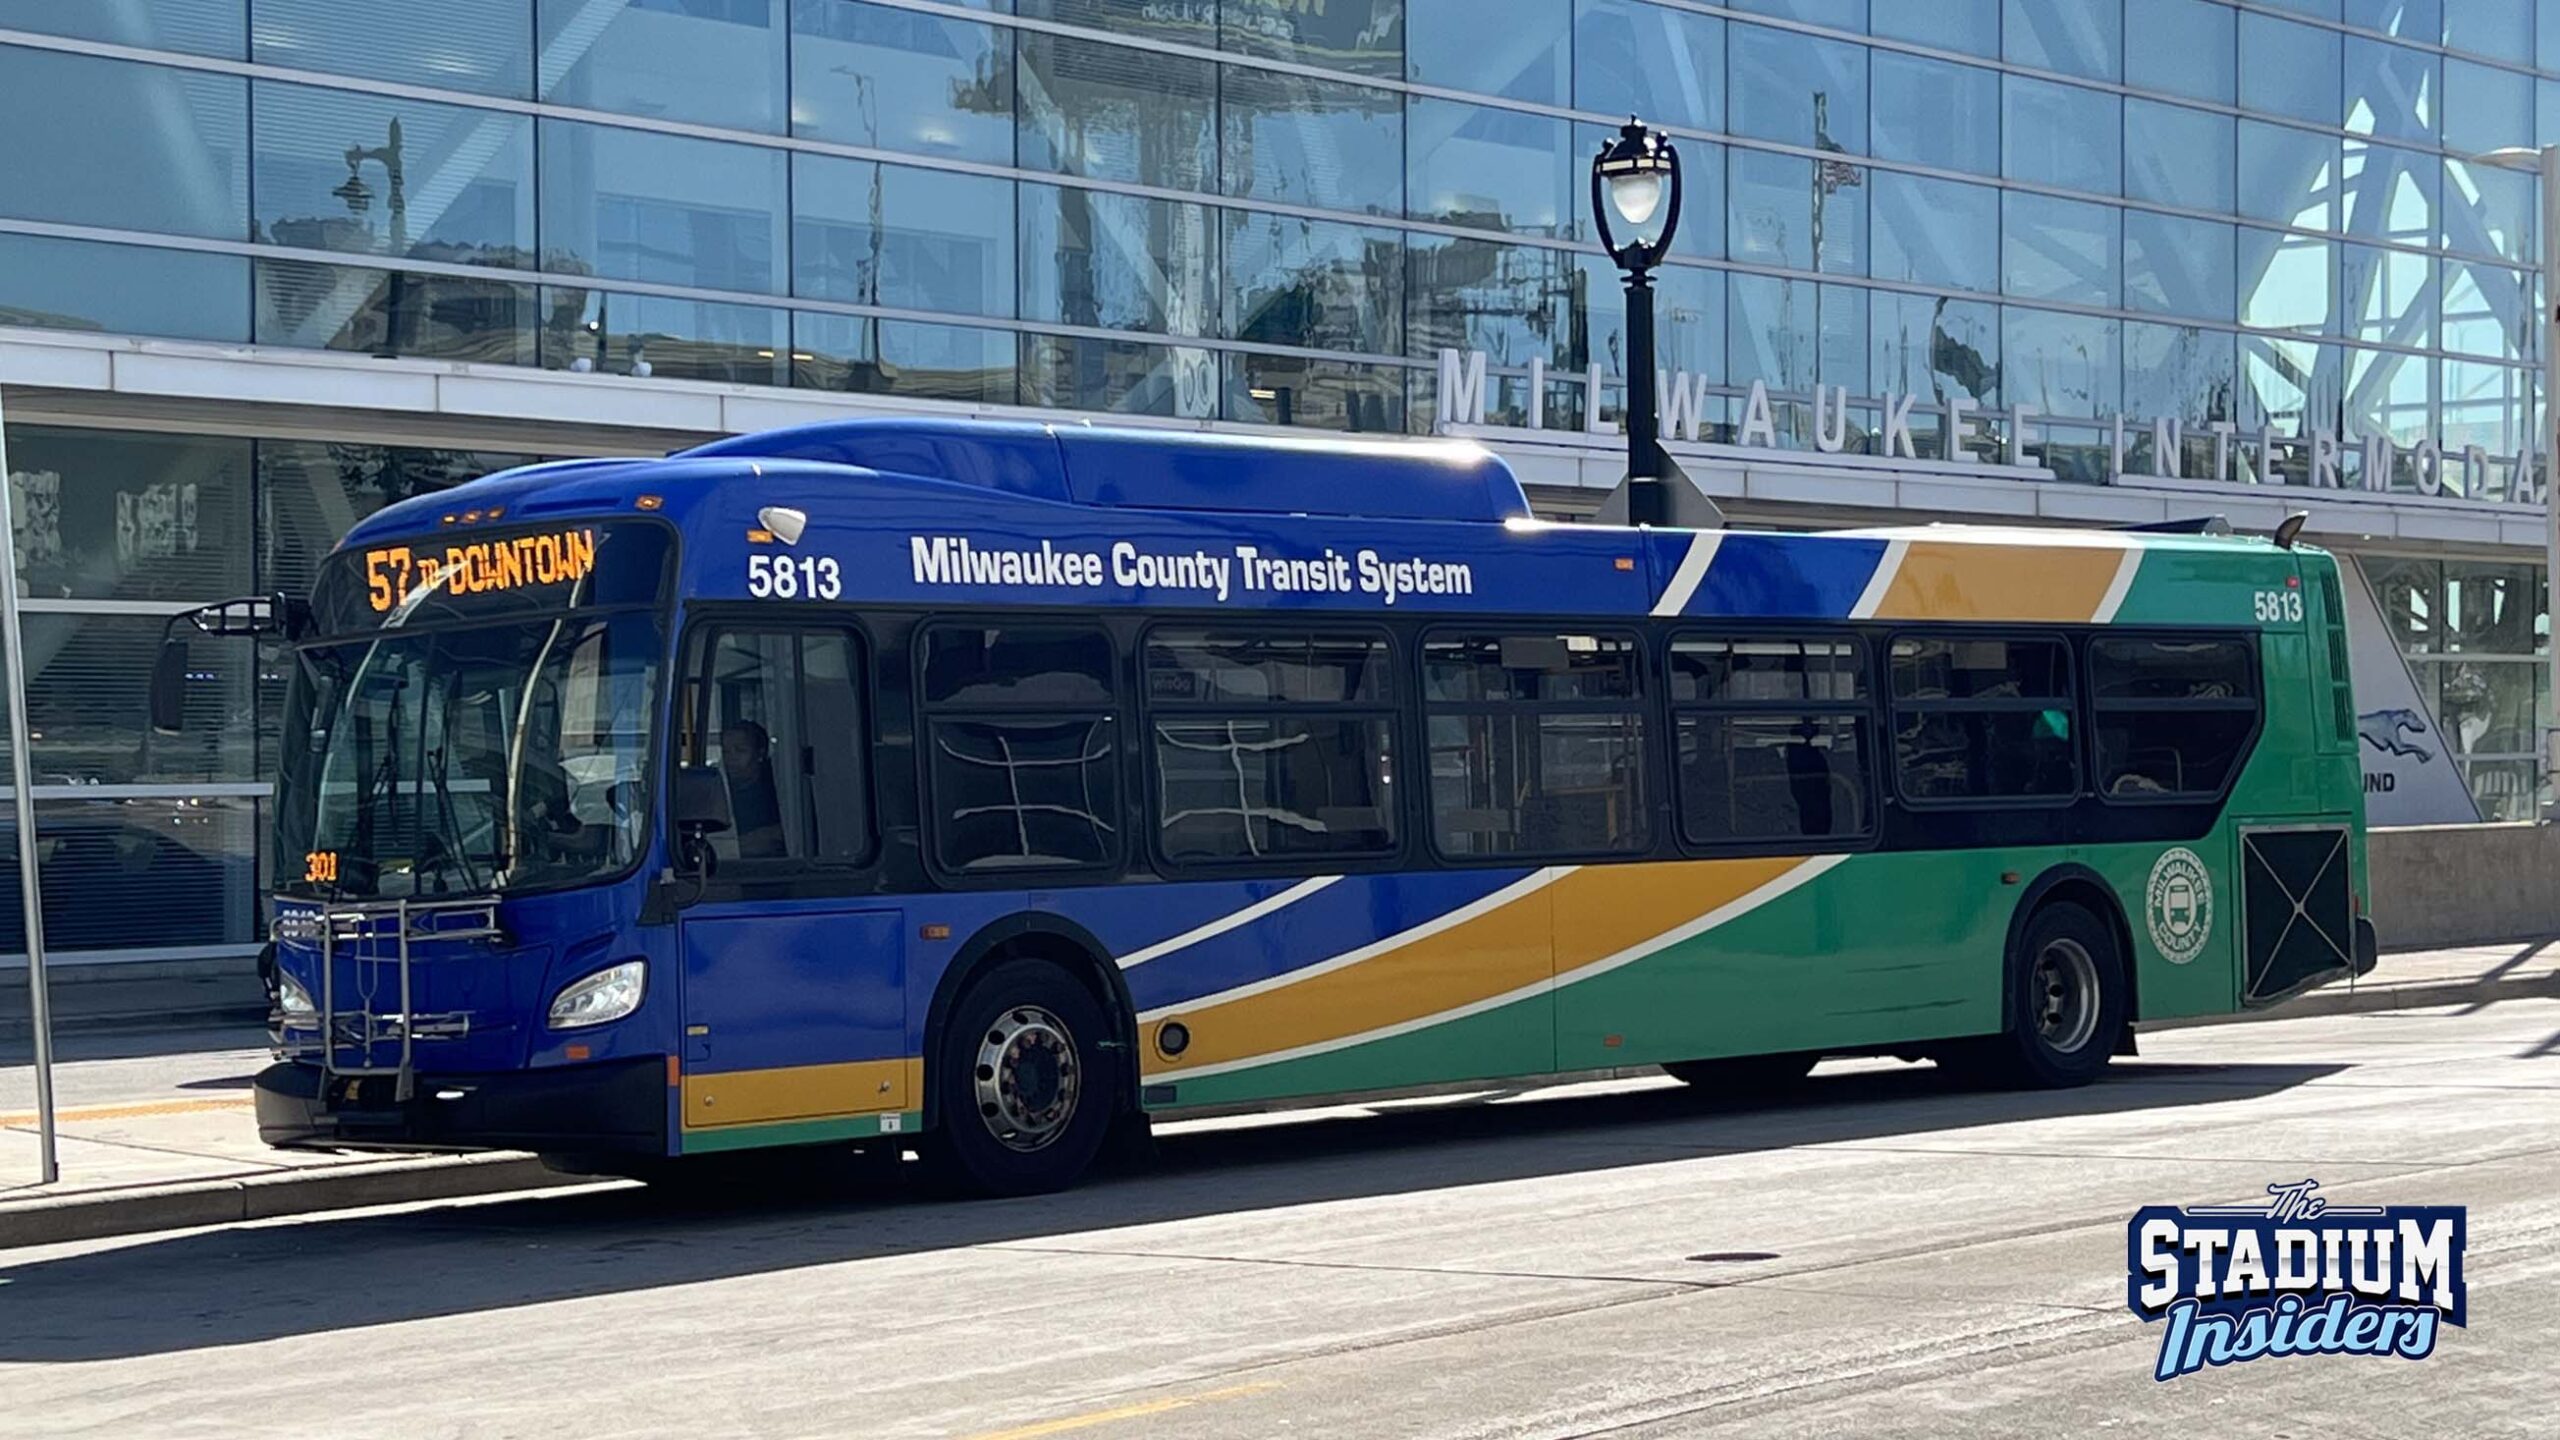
779, 718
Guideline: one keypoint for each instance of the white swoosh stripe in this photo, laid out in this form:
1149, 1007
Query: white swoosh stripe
1535, 881
1730, 910
1888, 565
2116, 588
1693, 568
1225, 923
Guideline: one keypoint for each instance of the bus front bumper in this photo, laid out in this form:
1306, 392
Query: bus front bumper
617, 1108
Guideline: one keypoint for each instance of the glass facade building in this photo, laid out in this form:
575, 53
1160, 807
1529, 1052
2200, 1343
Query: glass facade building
2265, 213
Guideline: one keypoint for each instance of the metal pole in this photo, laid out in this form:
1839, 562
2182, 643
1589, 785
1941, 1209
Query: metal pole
22, 789
2551, 462
1644, 449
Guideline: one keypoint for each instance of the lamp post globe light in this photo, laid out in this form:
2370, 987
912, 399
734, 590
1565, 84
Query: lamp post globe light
1635, 200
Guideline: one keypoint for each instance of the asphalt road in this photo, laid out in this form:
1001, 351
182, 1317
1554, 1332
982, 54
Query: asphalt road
1886, 1257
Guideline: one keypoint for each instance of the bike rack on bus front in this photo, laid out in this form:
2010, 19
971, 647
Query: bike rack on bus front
364, 929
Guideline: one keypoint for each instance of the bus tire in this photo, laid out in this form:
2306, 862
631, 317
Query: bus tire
1024, 1092
2067, 997
1744, 1077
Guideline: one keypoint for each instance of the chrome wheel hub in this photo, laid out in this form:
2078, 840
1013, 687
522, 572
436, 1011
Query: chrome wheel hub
2064, 993
1028, 1078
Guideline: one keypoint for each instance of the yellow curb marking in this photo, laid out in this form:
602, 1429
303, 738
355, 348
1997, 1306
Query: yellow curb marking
133, 1112
1126, 1412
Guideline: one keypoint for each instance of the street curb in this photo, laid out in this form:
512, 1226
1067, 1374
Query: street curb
99, 1214
2370, 999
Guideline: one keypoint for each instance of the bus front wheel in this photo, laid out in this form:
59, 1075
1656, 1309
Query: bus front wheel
1023, 1093
2066, 1002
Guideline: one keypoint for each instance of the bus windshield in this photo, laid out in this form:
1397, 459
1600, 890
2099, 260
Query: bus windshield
505, 756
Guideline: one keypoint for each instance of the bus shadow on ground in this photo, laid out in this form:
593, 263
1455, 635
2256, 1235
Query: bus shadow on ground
241, 1285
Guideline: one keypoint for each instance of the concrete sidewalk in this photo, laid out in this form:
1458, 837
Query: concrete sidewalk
167, 1142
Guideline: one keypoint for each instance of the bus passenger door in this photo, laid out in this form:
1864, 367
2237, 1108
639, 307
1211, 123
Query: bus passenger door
794, 988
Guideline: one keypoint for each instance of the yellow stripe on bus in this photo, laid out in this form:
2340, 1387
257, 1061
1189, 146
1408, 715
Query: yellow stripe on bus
1956, 580
801, 1092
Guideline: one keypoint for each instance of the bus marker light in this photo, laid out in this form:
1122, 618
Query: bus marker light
649, 502
759, 537
675, 1072
577, 1052
1626, 562
1612, 1042
2010, 877
935, 932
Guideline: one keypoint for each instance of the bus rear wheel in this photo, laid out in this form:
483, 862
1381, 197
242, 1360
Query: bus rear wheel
2066, 1002
1744, 1076
1023, 1096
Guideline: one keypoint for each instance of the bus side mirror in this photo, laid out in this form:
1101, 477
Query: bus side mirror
169, 686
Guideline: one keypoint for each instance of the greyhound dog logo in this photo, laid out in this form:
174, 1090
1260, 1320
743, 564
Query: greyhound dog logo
2389, 731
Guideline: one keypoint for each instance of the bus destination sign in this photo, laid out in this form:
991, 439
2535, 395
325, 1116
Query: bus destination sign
480, 567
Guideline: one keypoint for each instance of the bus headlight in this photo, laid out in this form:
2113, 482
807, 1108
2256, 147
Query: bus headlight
292, 1001
606, 995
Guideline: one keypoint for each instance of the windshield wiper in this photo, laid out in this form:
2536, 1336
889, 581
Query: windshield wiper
449, 843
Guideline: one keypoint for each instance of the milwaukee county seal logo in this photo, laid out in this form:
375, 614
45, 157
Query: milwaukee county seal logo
2179, 905
2293, 1276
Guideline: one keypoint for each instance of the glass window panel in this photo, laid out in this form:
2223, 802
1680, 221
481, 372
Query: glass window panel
197, 858
902, 237
2486, 108
2487, 310
1538, 784
1124, 377
1364, 37
1257, 787
2391, 193
2489, 707
1841, 349
902, 357
2389, 296
2287, 281
1799, 213
431, 182
393, 312
2395, 92
1934, 347
2419, 20
780, 723
1936, 232
2492, 609
311, 492
1116, 262
129, 515
1688, 319
1313, 283
713, 62
1314, 394
122, 289
1932, 113
2177, 266
1010, 793
2062, 135
2288, 175
2066, 365
1111, 113
484, 46
1717, 671
2162, 747
2059, 249
591, 330
1791, 87
2181, 372
87, 683
668, 209
1766, 777
199, 27
2410, 594
2484, 405
2392, 394
1773, 333
2499, 28
1497, 169
2294, 386
1942, 668
1193, 22
2183, 47
1513, 302
901, 80
2178, 156
2075, 37
2488, 211
1968, 25
1665, 65
1838, 14
1518, 49
177, 152
1312, 142
2290, 69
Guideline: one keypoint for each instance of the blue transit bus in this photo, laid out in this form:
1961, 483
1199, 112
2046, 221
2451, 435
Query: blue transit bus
995, 787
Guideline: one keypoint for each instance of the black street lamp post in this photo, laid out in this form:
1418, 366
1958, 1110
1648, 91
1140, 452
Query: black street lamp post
1635, 198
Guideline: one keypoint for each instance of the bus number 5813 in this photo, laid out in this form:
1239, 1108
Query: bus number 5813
794, 577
